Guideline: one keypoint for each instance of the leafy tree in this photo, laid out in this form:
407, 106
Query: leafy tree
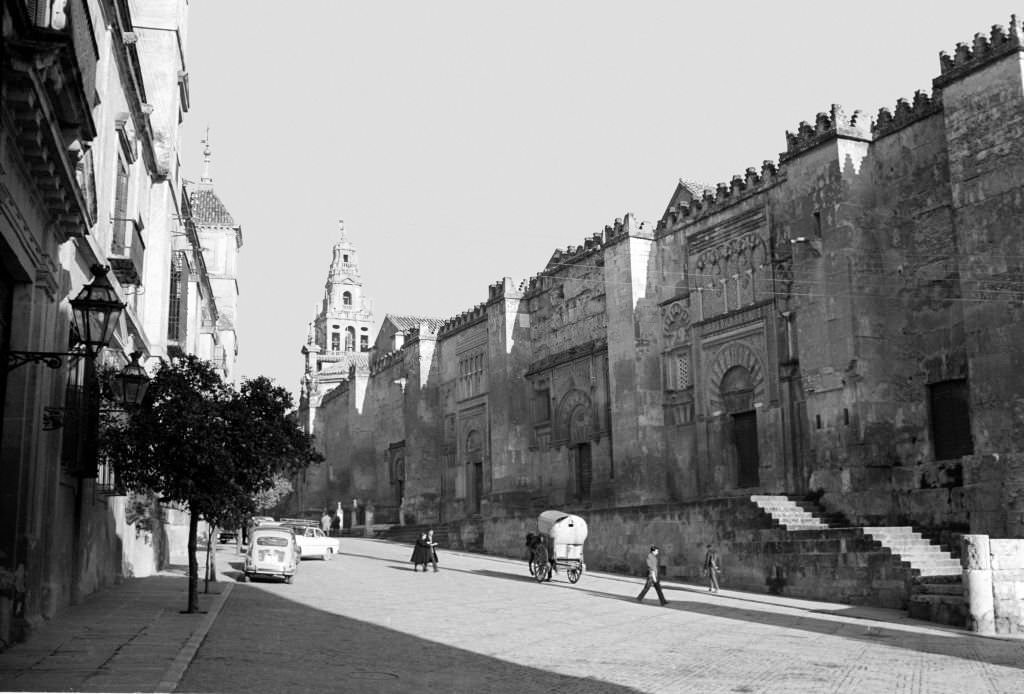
198, 441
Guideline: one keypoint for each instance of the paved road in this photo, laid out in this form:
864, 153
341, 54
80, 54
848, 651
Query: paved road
365, 622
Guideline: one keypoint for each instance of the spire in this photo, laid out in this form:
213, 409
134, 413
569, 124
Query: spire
206, 159
343, 239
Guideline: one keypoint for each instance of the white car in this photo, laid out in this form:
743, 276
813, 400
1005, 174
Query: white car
314, 543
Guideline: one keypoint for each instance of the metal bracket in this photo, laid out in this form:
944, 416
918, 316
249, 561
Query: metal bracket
54, 360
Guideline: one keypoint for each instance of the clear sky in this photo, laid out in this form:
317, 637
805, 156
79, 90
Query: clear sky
463, 142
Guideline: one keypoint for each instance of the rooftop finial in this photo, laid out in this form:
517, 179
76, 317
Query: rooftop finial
341, 228
206, 158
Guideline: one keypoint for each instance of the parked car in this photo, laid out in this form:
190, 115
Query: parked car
314, 543
261, 520
225, 536
273, 553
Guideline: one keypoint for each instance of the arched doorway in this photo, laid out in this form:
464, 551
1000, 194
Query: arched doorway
474, 471
737, 395
579, 443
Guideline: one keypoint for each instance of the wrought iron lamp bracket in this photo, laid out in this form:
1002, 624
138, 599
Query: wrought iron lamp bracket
54, 360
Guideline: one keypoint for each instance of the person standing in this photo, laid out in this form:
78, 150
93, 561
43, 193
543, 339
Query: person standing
421, 553
652, 577
336, 525
433, 550
712, 568
325, 522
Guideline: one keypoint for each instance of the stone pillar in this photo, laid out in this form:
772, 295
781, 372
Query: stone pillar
977, 575
355, 513
401, 512
369, 520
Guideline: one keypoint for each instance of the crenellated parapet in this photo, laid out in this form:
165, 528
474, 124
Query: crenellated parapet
386, 361
906, 113
827, 126
984, 49
723, 195
464, 320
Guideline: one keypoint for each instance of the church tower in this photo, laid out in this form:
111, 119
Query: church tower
339, 334
342, 325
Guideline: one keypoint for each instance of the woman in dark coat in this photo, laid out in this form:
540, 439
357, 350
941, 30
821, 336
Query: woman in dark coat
422, 553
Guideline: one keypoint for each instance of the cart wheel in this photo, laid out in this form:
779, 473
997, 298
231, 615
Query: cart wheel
243, 578
288, 579
574, 573
539, 567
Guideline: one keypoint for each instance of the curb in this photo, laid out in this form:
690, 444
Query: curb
171, 678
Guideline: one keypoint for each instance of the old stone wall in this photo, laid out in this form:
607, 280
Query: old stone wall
1008, 585
837, 565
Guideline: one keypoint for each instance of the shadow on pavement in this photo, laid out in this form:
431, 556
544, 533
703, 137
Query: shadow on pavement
949, 644
264, 642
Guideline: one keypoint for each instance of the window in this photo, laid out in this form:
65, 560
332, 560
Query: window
118, 237
346, 298
471, 375
335, 342
677, 370
174, 303
350, 339
344, 258
364, 343
949, 409
541, 405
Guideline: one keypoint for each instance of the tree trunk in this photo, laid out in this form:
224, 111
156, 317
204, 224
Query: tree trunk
193, 562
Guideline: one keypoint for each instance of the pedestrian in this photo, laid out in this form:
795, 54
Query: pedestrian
325, 522
712, 568
421, 553
652, 577
336, 525
433, 550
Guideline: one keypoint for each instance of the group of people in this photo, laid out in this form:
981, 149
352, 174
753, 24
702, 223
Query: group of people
711, 569
425, 552
330, 523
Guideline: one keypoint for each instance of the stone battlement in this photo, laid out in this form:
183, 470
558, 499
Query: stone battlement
724, 195
906, 113
967, 58
386, 361
465, 319
827, 126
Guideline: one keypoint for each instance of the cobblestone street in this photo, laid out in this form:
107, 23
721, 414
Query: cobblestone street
366, 622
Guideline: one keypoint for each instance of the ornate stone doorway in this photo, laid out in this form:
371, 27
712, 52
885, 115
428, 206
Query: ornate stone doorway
474, 471
737, 392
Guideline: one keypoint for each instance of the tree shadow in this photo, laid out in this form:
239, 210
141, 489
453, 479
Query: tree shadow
298, 648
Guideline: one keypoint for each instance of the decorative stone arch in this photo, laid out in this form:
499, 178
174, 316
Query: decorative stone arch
474, 446
574, 418
729, 356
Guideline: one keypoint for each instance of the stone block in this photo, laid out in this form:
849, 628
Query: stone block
1006, 554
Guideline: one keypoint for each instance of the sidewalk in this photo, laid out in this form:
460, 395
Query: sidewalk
130, 637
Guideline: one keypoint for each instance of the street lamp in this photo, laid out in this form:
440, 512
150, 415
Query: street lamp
131, 383
96, 311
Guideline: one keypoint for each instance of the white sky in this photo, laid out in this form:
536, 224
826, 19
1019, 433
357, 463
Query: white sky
463, 142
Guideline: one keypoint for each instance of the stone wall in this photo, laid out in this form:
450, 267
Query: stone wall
835, 565
994, 584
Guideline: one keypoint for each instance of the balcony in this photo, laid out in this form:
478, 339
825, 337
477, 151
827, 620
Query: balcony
127, 251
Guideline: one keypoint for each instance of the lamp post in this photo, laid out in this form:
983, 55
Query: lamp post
96, 311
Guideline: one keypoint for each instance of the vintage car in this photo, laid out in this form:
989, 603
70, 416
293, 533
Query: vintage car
314, 543
273, 553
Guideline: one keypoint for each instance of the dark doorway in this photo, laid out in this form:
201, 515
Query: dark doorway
584, 474
744, 438
478, 485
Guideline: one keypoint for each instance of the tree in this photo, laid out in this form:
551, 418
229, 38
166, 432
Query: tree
200, 442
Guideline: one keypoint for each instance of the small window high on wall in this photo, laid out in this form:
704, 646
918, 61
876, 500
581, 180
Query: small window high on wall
350, 339
346, 298
335, 342
950, 415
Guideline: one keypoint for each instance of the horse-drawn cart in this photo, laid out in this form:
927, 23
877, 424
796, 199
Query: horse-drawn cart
558, 543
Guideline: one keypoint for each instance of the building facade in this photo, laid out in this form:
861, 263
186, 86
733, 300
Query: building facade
841, 323
91, 102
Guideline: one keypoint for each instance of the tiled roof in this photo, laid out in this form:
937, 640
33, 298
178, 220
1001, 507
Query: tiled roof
407, 322
207, 209
360, 359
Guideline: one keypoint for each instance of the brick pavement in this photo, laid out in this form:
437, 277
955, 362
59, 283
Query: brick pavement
364, 622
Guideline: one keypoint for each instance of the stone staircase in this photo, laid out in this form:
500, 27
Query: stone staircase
936, 588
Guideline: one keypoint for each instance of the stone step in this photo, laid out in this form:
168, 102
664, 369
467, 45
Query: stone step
942, 609
928, 588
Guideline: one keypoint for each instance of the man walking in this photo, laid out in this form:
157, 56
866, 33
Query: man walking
652, 577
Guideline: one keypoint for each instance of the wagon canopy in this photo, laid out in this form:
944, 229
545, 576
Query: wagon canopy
564, 528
